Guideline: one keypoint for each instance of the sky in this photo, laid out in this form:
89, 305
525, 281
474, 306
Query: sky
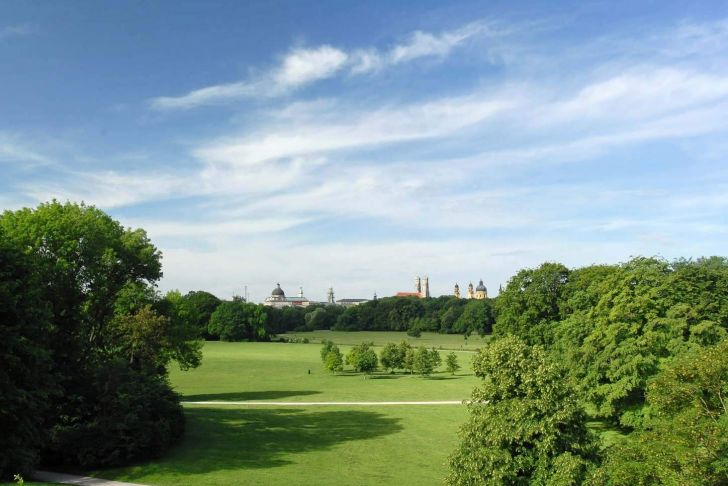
355, 145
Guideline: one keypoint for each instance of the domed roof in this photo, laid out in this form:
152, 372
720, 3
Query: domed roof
480, 286
278, 291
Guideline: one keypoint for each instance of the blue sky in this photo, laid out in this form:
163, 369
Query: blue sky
358, 145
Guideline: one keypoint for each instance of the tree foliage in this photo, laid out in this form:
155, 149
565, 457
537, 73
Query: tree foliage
239, 321
451, 363
685, 440
525, 424
95, 309
362, 358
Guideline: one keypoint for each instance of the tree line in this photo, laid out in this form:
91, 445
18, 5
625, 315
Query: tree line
237, 320
641, 346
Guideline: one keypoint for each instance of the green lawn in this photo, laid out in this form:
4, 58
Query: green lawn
379, 338
306, 445
280, 372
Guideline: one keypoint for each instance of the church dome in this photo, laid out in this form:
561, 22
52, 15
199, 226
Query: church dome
278, 291
480, 287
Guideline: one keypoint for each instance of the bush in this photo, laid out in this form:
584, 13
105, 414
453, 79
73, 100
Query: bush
133, 416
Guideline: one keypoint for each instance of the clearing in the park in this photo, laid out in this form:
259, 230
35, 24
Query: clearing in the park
321, 444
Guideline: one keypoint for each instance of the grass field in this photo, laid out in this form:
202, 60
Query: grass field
306, 445
379, 338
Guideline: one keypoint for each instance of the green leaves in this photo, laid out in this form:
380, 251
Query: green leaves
525, 425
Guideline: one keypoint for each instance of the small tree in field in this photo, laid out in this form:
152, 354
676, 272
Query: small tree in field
406, 353
362, 358
334, 361
423, 362
326, 347
451, 363
435, 358
391, 357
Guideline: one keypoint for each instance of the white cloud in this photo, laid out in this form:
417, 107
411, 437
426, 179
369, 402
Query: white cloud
302, 66
422, 44
358, 129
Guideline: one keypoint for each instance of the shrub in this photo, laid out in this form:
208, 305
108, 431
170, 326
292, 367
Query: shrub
131, 416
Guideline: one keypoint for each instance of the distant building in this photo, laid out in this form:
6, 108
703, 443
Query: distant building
278, 299
422, 289
477, 293
351, 302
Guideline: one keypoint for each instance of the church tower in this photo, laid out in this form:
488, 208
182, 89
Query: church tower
471, 291
456, 292
330, 299
425, 289
481, 293
418, 285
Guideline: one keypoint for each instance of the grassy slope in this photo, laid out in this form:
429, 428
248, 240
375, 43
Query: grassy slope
308, 445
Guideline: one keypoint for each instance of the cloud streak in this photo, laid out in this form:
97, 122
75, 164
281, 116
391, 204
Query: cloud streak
304, 66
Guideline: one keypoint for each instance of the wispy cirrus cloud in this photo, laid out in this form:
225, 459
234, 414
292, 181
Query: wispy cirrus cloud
18, 30
298, 68
303, 66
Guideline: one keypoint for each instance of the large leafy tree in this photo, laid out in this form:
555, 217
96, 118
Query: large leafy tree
531, 303
26, 385
648, 312
525, 425
685, 442
91, 272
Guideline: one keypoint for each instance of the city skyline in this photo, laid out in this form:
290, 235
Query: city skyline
355, 146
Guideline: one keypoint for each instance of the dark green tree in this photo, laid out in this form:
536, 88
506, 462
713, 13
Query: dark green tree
27, 388
239, 321
685, 441
525, 425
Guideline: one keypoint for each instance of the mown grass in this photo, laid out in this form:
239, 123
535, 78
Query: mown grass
322, 445
306, 445
280, 372
456, 342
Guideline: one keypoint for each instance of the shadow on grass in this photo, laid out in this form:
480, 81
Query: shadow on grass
239, 439
248, 395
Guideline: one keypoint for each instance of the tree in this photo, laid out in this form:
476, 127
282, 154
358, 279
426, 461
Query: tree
239, 321
476, 317
435, 358
531, 303
423, 361
90, 271
525, 425
451, 362
408, 355
327, 346
391, 357
26, 382
199, 306
334, 360
685, 441
363, 358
